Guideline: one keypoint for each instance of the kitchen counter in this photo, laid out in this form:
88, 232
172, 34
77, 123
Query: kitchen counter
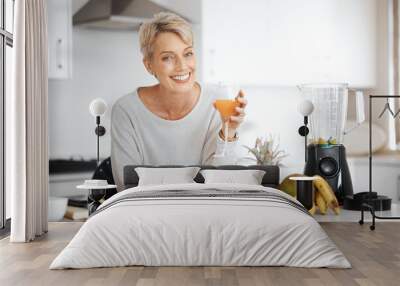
385, 174
66, 174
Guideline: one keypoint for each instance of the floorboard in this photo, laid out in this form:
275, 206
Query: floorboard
374, 255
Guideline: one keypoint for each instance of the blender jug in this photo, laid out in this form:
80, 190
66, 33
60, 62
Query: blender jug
326, 155
327, 122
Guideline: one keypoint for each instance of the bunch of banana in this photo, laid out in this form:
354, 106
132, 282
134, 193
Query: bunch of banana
289, 186
320, 202
324, 196
313, 210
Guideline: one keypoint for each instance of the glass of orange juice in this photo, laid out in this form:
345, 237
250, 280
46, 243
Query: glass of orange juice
227, 108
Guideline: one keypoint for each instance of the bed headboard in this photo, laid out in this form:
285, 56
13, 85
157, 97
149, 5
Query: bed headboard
270, 179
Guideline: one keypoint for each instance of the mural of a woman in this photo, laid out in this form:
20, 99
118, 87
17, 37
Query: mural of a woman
172, 122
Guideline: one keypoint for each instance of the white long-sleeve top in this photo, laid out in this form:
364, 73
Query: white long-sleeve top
138, 136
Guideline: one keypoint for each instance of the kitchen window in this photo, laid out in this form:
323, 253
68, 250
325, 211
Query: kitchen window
6, 60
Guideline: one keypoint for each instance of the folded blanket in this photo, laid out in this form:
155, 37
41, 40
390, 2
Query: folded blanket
205, 194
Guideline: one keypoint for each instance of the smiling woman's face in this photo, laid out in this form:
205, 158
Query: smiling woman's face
173, 63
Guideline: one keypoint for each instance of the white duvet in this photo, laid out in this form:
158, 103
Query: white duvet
200, 231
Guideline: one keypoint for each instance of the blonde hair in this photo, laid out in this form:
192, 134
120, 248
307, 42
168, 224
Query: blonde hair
161, 23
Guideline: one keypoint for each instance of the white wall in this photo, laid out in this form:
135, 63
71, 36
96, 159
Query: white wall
273, 110
382, 69
105, 64
288, 42
190, 9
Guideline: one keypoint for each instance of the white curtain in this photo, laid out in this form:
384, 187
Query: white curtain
396, 72
26, 129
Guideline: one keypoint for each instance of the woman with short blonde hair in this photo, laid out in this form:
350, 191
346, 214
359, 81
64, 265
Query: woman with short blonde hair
172, 122
162, 23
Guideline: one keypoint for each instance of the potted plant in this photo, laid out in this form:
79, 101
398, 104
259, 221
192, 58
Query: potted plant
266, 151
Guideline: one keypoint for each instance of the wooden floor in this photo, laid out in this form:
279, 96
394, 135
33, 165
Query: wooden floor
374, 255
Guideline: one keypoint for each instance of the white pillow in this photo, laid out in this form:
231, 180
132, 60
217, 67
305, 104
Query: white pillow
163, 176
249, 177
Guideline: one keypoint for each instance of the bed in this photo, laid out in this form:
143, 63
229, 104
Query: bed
201, 224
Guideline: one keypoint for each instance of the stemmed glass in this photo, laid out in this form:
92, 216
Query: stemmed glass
226, 108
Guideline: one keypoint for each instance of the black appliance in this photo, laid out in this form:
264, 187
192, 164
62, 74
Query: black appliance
329, 161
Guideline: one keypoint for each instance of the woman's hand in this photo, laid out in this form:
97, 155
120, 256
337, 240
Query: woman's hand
237, 119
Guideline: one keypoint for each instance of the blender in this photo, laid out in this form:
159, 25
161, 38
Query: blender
326, 155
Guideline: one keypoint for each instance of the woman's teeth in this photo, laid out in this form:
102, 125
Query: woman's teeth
181, 77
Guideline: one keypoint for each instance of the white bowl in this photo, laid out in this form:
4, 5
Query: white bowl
57, 208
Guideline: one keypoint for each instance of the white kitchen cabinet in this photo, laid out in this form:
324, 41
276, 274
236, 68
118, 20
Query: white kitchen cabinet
64, 184
287, 42
59, 38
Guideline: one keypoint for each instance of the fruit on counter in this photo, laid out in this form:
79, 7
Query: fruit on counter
321, 203
289, 186
332, 141
322, 141
325, 190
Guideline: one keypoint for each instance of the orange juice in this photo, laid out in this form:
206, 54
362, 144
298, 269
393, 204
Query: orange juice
227, 107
